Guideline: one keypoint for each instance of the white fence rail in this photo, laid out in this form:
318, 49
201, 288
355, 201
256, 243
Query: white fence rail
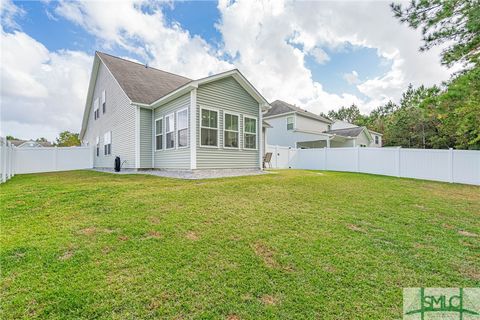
460, 166
6, 159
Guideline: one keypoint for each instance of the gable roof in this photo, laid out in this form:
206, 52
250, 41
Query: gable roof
279, 107
140, 83
350, 132
21, 143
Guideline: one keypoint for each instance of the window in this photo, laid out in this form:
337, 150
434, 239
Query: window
159, 134
97, 146
250, 131
377, 140
96, 113
104, 102
107, 143
182, 128
290, 123
209, 128
329, 127
230, 134
169, 132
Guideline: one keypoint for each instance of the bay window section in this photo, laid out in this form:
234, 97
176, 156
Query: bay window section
209, 128
169, 132
230, 124
159, 134
182, 128
250, 133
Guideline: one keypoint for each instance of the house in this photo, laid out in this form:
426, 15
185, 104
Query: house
364, 136
295, 127
30, 144
153, 119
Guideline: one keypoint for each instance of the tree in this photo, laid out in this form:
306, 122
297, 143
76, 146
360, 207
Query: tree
42, 139
11, 138
350, 114
68, 139
454, 22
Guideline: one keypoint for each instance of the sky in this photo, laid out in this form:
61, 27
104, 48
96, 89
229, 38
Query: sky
319, 55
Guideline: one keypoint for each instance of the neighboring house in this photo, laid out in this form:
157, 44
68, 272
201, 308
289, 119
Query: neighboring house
297, 128
155, 119
30, 144
363, 136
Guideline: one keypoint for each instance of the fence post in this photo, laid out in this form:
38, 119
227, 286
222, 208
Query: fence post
450, 165
55, 161
357, 156
325, 149
398, 161
288, 157
276, 156
4, 159
7, 155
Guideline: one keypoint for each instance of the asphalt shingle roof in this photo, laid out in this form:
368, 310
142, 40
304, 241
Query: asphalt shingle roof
347, 132
280, 107
142, 84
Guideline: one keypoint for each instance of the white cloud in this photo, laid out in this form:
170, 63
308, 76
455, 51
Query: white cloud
268, 41
320, 56
351, 77
8, 12
42, 92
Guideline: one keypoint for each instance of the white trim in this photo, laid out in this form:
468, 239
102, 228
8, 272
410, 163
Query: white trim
155, 134
238, 129
170, 115
193, 129
218, 126
177, 128
137, 137
256, 134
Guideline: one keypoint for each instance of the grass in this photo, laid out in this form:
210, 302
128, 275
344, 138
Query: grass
291, 245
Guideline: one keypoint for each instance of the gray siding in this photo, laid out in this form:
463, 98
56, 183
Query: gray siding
119, 119
177, 158
227, 95
146, 156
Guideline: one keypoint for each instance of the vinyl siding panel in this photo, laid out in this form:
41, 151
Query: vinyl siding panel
177, 158
227, 95
146, 155
309, 124
119, 119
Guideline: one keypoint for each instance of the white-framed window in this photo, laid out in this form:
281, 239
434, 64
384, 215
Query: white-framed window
96, 112
169, 131
209, 128
104, 101
377, 140
250, 133
231, 132
97, 146
182, 128
107, 143
159, 134
290, 123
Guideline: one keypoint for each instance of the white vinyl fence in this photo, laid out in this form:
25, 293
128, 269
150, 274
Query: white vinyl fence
6, 159
15, 160
460, 166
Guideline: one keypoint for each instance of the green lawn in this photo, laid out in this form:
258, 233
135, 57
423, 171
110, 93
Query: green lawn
291, 245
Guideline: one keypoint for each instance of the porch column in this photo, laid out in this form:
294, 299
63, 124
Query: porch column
328, 142
354, 143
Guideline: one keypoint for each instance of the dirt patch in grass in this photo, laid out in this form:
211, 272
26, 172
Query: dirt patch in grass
153, 235
233, 317
123, 238
355, 228
154, 220
192, 236
266, 254
269, 300
67, 255
467, 233
88, 231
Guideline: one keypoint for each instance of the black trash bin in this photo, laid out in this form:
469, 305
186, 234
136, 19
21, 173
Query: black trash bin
117, 164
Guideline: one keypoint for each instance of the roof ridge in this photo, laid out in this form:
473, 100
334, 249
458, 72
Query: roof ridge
143, 65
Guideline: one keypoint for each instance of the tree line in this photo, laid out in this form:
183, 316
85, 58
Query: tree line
434, 117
